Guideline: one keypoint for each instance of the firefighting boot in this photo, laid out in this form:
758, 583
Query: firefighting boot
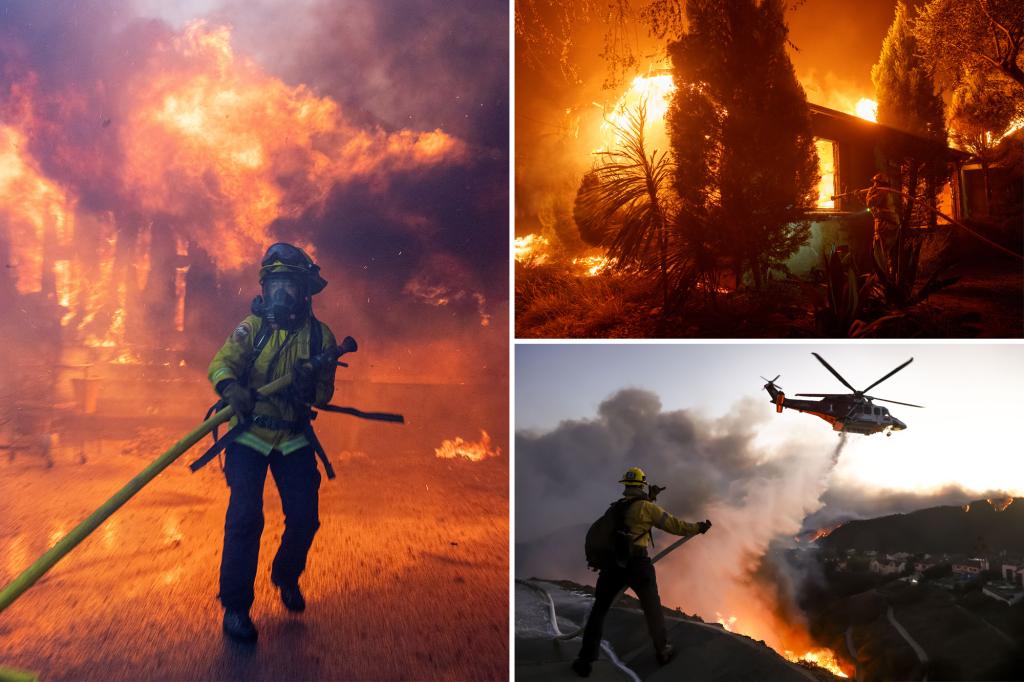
291, 597
666, 654
239, 626
581, 667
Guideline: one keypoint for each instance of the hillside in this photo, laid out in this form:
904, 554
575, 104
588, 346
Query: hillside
706, 652
936, 530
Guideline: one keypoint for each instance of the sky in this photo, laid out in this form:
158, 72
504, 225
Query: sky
966, 435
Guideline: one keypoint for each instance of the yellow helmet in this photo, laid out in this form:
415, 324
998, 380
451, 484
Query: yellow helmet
634, 476
286, 259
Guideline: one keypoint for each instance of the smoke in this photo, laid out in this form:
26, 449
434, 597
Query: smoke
714, 468
829, 90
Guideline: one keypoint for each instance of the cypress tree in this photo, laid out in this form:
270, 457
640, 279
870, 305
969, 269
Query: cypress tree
746, 167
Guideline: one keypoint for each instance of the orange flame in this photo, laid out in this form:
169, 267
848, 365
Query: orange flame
226, 131
1001, 504
592, 265
534, 249
473, 451
212, 149
866, 109
655, 93
821, 533
822, 658
531, 250
32, 204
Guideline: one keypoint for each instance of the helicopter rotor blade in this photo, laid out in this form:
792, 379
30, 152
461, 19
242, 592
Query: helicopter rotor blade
836, 374
888, 375
895, 402
825, 395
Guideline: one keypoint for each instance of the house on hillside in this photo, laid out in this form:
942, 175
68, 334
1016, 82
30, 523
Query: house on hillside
850, 151
970, 567
1013, 573
887, 566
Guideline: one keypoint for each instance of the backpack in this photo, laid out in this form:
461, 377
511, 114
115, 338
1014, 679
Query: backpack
608, 539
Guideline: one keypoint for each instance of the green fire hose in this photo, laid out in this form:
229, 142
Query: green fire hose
38, 569
44, 563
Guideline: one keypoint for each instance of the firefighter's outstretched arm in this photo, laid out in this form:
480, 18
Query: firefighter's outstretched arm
662, 520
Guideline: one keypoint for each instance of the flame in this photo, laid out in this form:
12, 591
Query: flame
655, 93
531, 250
823, 658
473, 451
212, 150
827, 168
592, 265
726, 623
1001, 504
226, 132
866, 109
32, 206
820, 533
534, 249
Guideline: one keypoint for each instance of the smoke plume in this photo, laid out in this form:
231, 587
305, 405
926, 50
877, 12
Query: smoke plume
714, 468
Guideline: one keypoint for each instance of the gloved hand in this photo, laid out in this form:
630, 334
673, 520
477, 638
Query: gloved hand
303, 388
239, 397
703, 526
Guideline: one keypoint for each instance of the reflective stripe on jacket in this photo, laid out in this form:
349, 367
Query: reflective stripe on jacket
284, 349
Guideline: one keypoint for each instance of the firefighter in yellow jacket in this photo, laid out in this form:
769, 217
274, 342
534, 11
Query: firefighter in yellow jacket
636, 571
274, 340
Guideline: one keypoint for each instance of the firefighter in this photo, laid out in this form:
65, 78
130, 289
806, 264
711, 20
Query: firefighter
637, 572
274, 340
879, 200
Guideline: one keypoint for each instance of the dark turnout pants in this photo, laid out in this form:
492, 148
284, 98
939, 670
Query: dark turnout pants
298, 483
638, 575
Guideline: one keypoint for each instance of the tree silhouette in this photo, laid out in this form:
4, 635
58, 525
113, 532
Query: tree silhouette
625, 205
746, 167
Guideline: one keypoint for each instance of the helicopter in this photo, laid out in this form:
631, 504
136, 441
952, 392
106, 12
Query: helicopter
847, 412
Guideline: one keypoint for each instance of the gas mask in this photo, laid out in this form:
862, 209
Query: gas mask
280, 304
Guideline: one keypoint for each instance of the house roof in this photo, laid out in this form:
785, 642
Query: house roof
859, 127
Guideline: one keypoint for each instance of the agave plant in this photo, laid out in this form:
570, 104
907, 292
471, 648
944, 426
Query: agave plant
845, 295
896, 273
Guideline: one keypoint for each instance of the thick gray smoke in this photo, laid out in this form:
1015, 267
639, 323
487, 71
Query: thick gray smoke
714, 468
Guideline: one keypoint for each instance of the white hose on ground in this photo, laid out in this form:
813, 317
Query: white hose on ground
558, 632
657, 557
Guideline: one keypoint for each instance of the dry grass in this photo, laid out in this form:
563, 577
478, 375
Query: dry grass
554, 303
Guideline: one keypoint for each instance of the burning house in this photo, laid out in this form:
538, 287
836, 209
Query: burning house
851, 149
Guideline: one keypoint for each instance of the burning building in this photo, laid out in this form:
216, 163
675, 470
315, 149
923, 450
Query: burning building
851, 149
137, 197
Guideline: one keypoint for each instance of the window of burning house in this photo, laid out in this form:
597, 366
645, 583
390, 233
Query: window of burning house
827, 167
